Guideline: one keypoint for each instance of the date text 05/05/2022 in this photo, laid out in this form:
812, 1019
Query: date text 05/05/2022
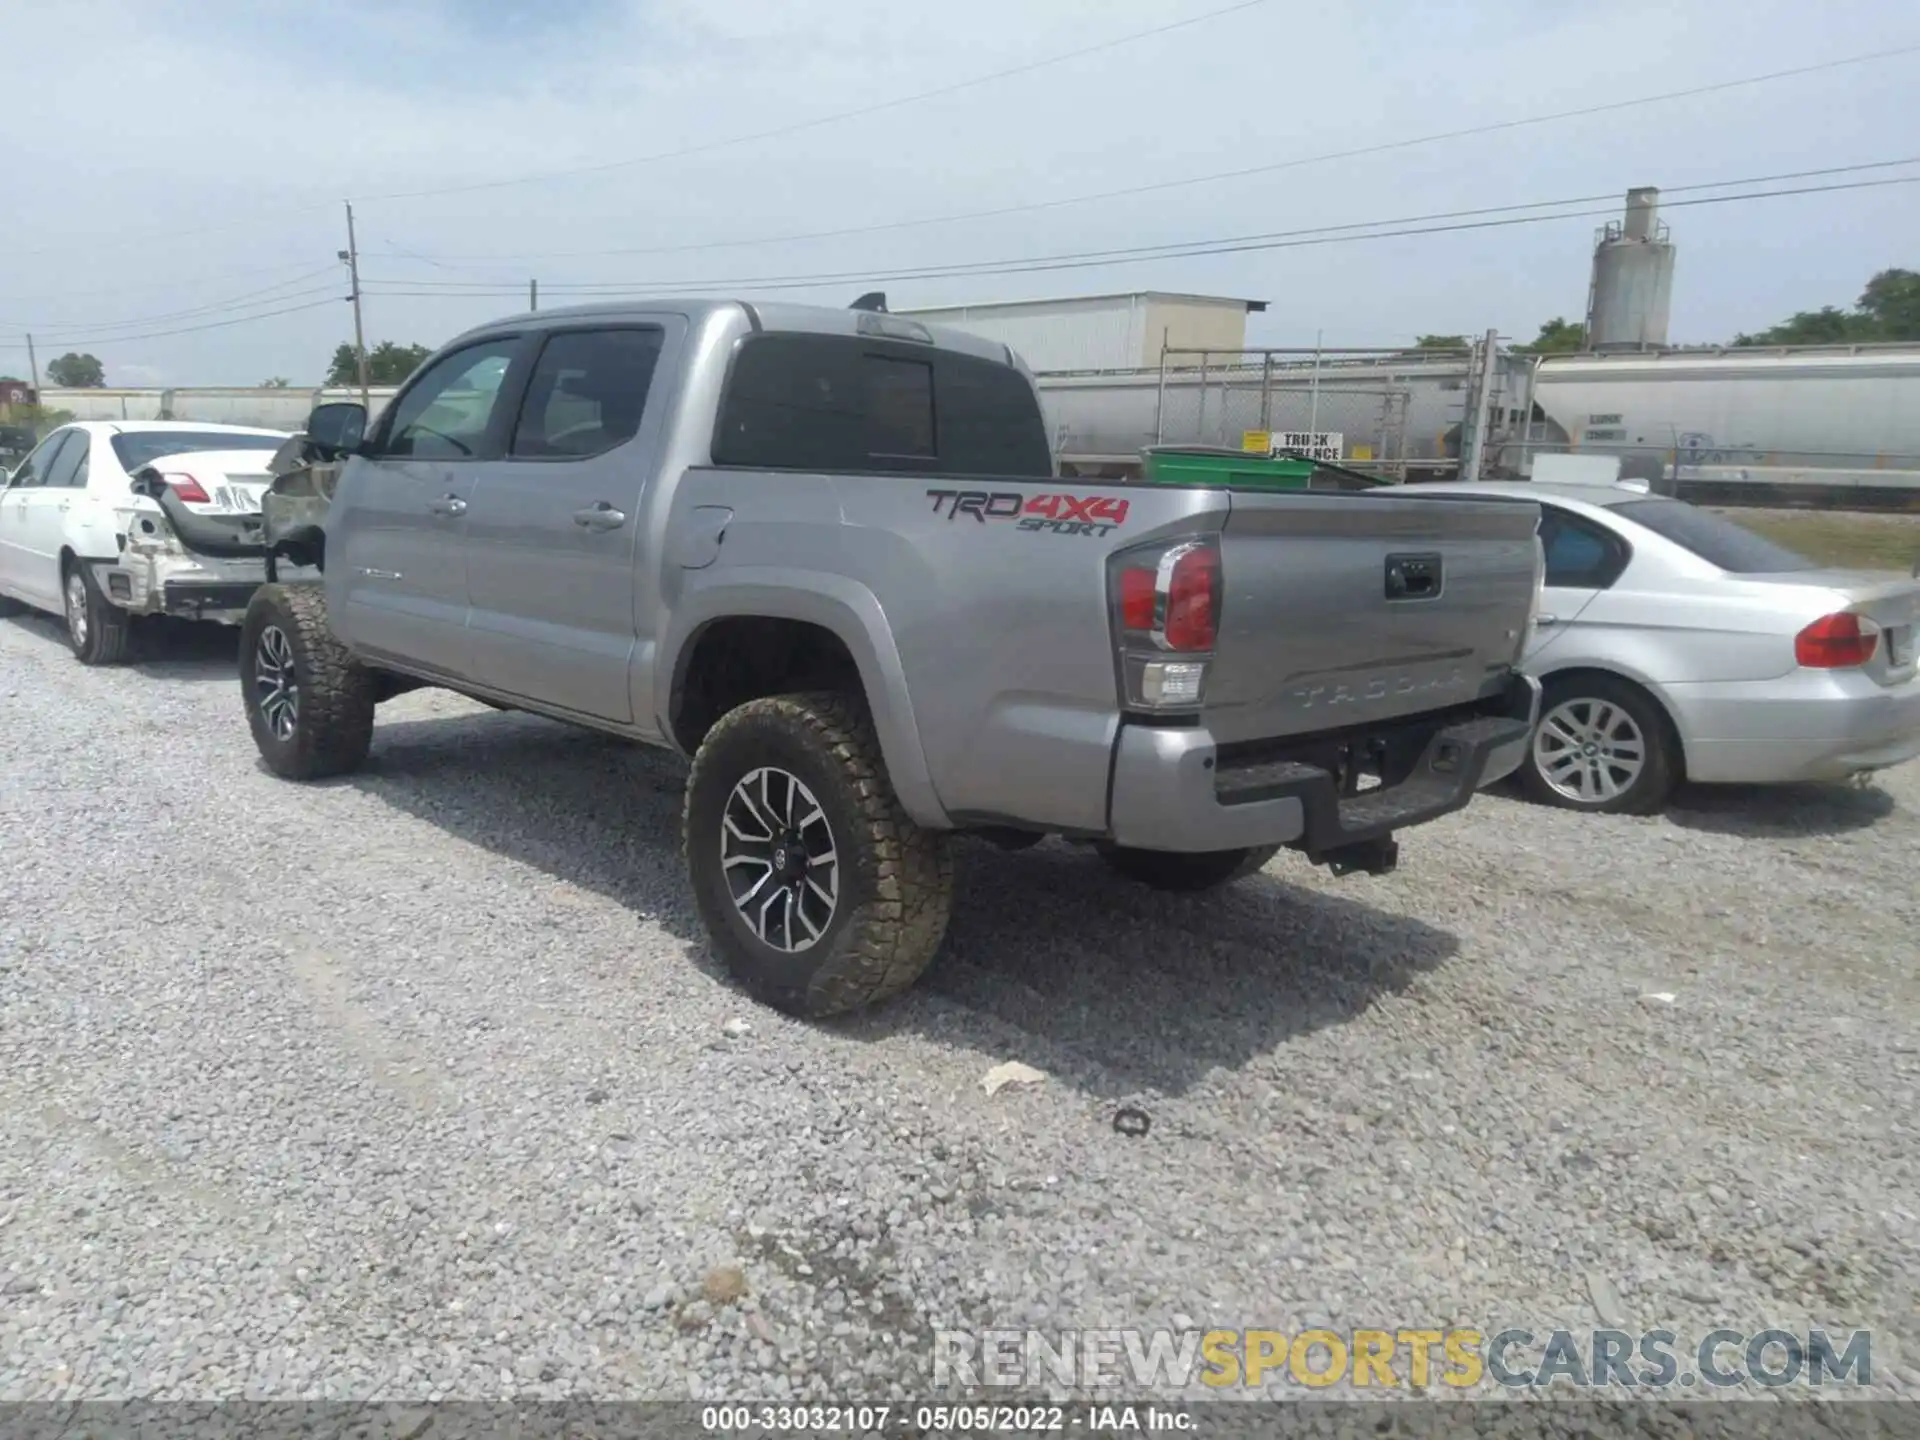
976, 1419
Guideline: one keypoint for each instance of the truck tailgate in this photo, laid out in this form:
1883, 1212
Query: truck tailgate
1348, 609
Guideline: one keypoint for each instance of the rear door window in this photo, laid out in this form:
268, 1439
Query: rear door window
63, 467
856, 404
1580, 555
33, 470
587, 394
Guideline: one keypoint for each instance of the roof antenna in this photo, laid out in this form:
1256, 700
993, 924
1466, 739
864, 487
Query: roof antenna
874, 300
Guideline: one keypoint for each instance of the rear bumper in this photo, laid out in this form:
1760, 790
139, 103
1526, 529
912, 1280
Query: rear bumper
152, 581
1173, 789
196, 597
1808, 725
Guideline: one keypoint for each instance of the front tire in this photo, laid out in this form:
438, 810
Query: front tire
1189, 871
1603, 745
820, 893
98, 631
309, 702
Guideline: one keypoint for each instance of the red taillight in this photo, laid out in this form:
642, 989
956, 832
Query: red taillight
1167, 603
1137, 599
1191, 592
1836, 642
1171, 595
188, 489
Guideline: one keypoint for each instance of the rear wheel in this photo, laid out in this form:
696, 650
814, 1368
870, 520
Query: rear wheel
309, 703
98, 631
1603, 745
820, 893
1186, 870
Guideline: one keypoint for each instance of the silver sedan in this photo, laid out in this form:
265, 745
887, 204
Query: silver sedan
1674, 644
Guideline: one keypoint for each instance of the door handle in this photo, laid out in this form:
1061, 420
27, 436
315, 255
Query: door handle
448, 505
600, 516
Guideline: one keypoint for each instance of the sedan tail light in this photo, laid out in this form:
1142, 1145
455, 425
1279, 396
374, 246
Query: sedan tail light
187, 488
1837, 642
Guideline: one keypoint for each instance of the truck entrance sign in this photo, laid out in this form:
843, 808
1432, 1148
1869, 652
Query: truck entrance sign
1314, 444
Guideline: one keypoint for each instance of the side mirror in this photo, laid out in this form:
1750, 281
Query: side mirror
337, 429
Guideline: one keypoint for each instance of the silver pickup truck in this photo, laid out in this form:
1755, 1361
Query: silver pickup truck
824, 554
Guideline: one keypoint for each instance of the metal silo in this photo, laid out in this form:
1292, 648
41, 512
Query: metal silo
1632, 287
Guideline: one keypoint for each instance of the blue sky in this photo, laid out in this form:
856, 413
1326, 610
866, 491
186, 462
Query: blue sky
201, 181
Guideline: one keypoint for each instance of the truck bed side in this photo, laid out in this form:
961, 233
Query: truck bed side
989, 600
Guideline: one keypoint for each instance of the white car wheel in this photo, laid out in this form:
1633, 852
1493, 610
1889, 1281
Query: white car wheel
1602, 744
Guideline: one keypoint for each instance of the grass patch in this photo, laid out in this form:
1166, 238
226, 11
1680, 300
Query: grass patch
1857, 541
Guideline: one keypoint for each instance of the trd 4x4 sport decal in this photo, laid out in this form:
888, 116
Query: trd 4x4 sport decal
1055, 514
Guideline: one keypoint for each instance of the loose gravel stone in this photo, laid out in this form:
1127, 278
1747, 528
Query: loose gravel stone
418, 1084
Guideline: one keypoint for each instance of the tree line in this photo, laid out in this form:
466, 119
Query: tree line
1887, 312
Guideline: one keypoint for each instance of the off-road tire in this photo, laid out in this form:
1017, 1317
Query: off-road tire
333, 724
108, 629
1662, 771
1184, 870
895, 881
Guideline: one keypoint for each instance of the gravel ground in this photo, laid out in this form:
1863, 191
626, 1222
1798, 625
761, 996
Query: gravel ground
420, 1084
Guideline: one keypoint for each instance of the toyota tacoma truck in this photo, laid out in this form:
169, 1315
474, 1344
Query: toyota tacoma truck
824, 554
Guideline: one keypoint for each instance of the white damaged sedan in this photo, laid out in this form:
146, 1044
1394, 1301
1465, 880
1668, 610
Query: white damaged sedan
77, 540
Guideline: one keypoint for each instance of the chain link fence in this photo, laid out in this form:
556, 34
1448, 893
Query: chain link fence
1395, 412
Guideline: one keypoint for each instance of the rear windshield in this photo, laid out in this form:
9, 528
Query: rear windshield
145, 447
837, 403
1716, 540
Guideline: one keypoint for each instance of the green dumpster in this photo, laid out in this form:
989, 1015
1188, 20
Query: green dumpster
1205, 465
1211, 465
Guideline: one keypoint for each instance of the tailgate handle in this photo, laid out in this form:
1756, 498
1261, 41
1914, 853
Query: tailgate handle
1413, 577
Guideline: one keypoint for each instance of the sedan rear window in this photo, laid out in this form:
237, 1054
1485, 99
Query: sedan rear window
145, 447
1716, 540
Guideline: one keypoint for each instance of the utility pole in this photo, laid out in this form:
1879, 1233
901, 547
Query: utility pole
533, 294
33, 361
1313, 401
352, 256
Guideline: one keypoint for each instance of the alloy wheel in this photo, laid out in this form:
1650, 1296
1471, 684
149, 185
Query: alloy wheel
77, 609
1589, 751
276, 684
779, 857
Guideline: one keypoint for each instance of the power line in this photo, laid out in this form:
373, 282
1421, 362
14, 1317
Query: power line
1156, 187
194, 329
211, 307
221, 278
1182, 250
1282, 240
779, 132
492, 287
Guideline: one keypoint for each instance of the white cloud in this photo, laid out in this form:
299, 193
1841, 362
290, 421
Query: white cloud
217, 139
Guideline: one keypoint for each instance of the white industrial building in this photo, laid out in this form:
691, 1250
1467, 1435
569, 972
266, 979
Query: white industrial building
1103, 332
